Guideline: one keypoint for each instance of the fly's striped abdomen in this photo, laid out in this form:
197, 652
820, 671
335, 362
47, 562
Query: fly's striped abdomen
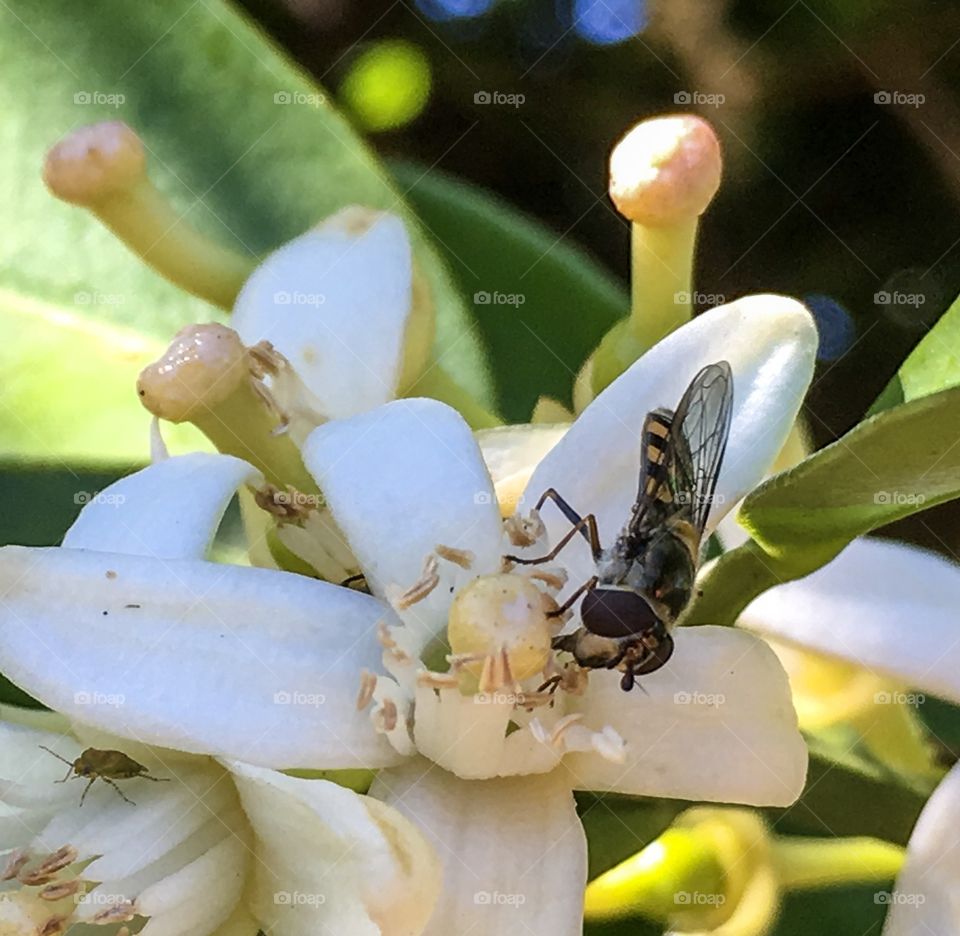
656, 445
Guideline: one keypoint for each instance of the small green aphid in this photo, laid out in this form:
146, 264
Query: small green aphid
108, 766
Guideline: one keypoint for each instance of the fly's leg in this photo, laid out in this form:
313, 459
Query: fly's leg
120, 792
86, 789
572, 516
572, 600
585, 526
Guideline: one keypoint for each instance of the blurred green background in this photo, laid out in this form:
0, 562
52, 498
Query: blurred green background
839, 120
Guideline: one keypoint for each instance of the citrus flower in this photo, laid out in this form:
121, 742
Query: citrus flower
865, 640
227, 846
264, 667
880, 605
925, 897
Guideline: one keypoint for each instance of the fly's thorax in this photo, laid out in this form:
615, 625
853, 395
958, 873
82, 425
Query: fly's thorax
614, 563
664, 572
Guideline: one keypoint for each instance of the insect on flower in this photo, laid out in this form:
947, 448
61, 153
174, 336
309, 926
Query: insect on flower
645, 579
108, 766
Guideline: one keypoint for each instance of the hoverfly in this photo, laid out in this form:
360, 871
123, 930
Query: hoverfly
108, 766
645, 579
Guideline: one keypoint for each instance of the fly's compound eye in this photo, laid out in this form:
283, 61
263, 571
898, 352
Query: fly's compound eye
658, 656
613, 612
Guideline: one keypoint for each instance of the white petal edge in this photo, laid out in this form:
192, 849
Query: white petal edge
716, 724
330, 857
29, 775
513, 850
858, 606
335, 303
195, 656
926, 899
770, 343
200, 896
401, 480
169, 510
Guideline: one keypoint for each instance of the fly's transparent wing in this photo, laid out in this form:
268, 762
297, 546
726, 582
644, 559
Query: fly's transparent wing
698, 439
682, 453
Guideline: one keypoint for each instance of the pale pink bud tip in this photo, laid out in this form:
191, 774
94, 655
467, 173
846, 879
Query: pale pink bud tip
201, 368
94, 163
665, 170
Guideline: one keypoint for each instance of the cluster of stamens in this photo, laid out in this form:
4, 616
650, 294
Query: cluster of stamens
47, 875
500, 632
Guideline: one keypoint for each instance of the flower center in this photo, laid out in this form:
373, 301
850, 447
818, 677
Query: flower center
505, 617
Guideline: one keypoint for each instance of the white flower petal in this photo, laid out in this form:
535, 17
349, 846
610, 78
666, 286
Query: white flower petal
29, 774
335, 303
715, 724
468, 735
401, 480
195, 900
330, 860
770, 343
19, 827
886, 606
513, 851
240, 923
194, 656
170, 510
926, 899
230, 825
168, 812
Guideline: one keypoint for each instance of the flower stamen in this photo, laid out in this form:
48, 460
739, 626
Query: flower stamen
433, 680
524, 531
118, 913
368, 683
420, 589
14, 864
461, 557
54, 926
568, 734
60, 890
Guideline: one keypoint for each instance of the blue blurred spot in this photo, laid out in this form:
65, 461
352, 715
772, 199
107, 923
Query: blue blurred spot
835, 325
605, 22
443, 11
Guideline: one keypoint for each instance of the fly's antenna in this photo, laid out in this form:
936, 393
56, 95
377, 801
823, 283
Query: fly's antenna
56, 755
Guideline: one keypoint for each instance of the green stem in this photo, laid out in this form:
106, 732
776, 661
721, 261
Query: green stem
728, 584
806, 863
159, 234
661, 277
663, 879
243, 426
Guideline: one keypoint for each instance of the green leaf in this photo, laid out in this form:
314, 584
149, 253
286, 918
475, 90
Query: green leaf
241, 142
567, 301
889, 466
68, 388
933, 365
